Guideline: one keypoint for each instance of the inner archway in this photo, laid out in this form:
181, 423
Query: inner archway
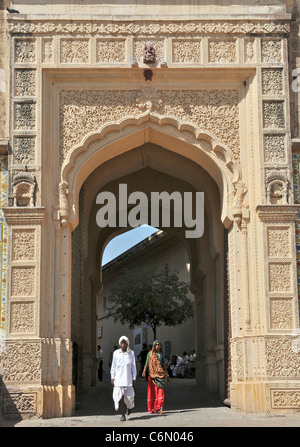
150, 168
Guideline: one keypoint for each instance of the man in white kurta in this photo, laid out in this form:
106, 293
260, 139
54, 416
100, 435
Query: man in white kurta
123, 376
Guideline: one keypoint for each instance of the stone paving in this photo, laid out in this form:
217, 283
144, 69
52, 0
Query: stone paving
186, 405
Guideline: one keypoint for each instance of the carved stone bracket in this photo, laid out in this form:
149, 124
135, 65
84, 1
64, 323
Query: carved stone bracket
26, 216
280, 213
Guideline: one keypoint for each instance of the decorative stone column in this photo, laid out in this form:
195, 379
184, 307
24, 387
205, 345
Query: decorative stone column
265, 356
22, 348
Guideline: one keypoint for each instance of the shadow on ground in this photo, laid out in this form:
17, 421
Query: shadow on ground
181, 395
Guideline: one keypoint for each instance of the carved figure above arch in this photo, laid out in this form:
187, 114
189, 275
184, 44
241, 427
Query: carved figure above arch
277, 186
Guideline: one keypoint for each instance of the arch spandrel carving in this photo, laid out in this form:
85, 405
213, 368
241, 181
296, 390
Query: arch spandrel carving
97, 148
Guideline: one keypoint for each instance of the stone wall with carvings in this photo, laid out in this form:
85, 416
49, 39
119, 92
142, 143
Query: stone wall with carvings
245, 129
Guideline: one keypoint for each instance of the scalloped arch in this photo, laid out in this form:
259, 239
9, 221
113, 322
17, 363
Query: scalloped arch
118, 137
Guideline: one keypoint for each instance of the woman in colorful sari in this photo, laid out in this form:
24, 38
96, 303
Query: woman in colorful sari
157, 379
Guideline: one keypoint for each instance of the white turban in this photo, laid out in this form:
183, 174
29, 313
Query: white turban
123, 338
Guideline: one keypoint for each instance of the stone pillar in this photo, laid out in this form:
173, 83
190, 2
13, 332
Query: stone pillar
265, 352
22, 349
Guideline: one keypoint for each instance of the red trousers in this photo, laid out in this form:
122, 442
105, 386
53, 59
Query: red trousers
155, 397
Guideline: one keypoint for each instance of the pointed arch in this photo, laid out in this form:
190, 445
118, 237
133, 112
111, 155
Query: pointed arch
115, 138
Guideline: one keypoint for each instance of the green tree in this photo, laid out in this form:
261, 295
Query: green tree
145, 295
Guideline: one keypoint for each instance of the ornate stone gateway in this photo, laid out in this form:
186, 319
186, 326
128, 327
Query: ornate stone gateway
88, 89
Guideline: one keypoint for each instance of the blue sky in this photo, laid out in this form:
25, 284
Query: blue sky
126, 240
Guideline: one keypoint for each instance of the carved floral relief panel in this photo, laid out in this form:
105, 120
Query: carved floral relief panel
23, 245
86, 111
282, 360
271, 51
25, 51
110, 51
281, 313
275, 148
279, 242
272, 81
24, 115
74, 51
222, 51
21, 362
25, 82
187, 51
22, 315
280, 275
47, 50
249, 50
16, 403
285, 399
23, 281
273, 115
24, 150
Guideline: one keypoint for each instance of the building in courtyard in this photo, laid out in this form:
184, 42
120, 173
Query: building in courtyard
183, 95
160, 250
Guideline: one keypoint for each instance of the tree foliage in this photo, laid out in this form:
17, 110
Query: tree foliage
145, 295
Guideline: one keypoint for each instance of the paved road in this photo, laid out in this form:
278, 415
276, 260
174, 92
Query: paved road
186, 405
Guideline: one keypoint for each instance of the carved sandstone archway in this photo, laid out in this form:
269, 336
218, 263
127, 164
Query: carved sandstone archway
200, 146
